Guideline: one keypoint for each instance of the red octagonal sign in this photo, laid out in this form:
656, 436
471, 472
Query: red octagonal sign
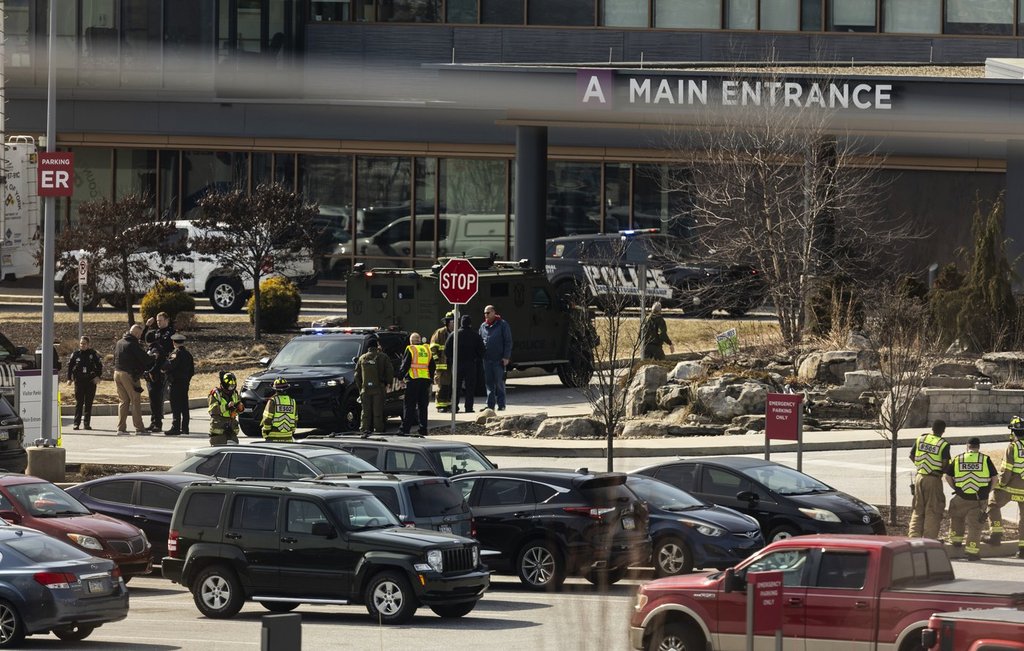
459, 281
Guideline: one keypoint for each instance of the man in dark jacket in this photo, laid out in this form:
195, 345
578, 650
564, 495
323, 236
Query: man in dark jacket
471, 353
130, 362
157, 334
179, 369
84, 370
497, 337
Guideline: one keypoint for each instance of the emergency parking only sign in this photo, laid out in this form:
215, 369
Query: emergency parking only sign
54, 173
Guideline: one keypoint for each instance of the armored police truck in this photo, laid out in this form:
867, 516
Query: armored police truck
546, 332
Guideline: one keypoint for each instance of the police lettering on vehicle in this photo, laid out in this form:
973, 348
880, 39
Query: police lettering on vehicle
625, 280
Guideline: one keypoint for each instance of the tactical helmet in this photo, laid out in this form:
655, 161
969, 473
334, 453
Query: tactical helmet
280, 384
1017, 426
228, 380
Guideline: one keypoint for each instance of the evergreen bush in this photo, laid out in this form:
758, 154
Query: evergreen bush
280, 303
166, 296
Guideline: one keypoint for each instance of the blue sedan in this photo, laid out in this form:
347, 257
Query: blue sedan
688, 533
48, 585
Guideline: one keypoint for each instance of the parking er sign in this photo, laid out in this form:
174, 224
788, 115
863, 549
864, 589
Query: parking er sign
54, 174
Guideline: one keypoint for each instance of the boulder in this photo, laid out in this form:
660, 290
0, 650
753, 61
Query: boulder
671, 396
519, 422
686, 371
918, 414
570, 428
642, 392
857, 341
1002, 367
955, 369
831, 367
728, 396
864, 380
481, 418
645, 429
749, 422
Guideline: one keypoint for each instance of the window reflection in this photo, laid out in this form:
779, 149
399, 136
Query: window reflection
852, 15
327, 180
912, 16
203, 172
989, 17
624, 13
410, 11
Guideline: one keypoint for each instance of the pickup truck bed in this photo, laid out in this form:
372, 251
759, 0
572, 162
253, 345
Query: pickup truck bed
980, 587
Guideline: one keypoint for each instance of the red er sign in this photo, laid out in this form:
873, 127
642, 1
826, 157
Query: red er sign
783, 417
459, 281
54, 174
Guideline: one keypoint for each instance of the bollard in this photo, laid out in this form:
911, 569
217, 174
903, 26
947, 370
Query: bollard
281, 632
46, 463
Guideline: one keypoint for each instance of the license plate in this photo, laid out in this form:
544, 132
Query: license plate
628, 523
445, 528
96, 585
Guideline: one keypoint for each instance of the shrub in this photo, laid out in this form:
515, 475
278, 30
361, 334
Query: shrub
835, 308
166, 296
279, 304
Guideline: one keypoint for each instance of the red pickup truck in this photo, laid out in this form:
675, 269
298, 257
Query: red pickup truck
840, 593
996, 629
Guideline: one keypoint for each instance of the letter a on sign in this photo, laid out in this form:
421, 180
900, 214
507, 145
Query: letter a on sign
594, 88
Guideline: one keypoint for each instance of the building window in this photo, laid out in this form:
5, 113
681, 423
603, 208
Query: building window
988, 17
93, 177
574, 191
188, 29
688, 14
327, 181
16, 31
810, 16
912, 16
741, 14
780, 15
135, 172
204, 172
626, 13
472, 204
616, 196
410, 11
501, 12
578, 13
851, 16
461, 11
331, 10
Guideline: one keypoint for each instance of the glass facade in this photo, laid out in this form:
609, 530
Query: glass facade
912, 16
688, 14
989, 17
625, 13
852, 16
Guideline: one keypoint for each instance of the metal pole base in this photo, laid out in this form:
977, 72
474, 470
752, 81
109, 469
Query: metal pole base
47, 463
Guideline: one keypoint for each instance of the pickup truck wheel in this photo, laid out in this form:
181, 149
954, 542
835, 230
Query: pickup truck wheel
672, 556
226, 295
675, 637
540, 566
913, 642
452, 611
217, 592
389, 598
90, 297
782, 532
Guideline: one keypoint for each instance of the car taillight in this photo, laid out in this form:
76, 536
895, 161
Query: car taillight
472, 527
55, 579
594, 513
172, 543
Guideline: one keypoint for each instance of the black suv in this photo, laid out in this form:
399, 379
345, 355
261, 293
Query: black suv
283, 544
444, 458
266, 460
13, 457
320, 366
545, 524
600, 265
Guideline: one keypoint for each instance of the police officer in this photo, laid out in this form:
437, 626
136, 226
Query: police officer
930, 454
971, 476
179, 369
416, 369
442, 377
157, 334
224, 406
280, 415
1010, 487
374, 373
84, 370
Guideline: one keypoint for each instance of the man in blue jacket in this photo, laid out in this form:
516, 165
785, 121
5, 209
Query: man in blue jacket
497, 336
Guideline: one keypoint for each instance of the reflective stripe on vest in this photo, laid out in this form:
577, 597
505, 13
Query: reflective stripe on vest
420, 367
928, 458
217, 397
971, 472
1015, 460
280, 417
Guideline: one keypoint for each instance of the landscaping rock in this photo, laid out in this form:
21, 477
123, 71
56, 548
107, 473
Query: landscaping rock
857, 341
569, 428
728, 396
1002, 367
642, 392
864, 380
749, 422
645, 429
671, 396
686, 370
918, 415
955, 369
484, 414
520, 422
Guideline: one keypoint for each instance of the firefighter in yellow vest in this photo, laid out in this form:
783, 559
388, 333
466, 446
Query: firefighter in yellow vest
416, 370
931, 456
280, 414
224, 405
1010, 487
971, 476
442, 377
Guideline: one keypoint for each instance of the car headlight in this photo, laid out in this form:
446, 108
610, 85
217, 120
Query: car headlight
703, 528
250, 384
435, 561
476, 556
821, 515
323, 384
87, 542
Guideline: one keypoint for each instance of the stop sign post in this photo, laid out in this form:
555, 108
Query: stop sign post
458, 281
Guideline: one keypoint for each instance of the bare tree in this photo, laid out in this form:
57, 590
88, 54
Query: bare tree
896, 326
127, 251
780, 187
257, 233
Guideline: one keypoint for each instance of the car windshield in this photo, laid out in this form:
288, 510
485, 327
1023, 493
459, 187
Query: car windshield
362, 512
317, 352
44, 500
786, 481
436, 497
661, 495
44, 549
459, 460
339, 463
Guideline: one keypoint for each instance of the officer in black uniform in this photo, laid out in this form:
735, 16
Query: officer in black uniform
157, 334
84, 370
179, 369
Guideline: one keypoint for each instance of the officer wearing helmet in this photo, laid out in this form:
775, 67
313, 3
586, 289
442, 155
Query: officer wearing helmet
1010, 487
224, 405
280, 415
931, 456
442, 376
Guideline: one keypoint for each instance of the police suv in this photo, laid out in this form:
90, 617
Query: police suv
662, 267
319, 366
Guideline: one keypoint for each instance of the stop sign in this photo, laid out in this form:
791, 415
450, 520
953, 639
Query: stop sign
459, 281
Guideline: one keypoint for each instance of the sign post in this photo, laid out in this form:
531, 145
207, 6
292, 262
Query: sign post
83, 280
764, 606
784, 421
459, 282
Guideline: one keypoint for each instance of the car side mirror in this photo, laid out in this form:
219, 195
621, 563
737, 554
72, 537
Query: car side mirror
733, 582
264, 361
11, 516
748, 496
324, 530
